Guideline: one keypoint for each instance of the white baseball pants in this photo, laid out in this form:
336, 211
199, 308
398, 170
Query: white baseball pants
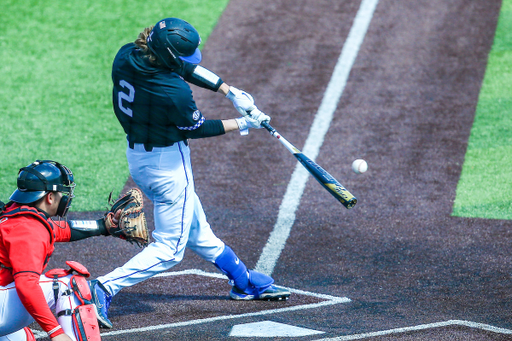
165, 177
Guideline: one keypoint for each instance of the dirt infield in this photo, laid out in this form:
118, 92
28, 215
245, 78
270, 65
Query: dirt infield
399, 255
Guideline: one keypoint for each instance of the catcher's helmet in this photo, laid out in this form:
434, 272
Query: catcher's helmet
173, 40
41, 177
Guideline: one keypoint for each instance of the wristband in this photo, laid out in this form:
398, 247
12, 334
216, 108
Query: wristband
242, 126
55, 331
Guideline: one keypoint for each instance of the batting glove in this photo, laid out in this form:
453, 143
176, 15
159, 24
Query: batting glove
258, 116
246, 123
242, 101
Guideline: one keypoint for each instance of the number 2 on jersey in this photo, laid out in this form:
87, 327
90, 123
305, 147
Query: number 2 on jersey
127, 97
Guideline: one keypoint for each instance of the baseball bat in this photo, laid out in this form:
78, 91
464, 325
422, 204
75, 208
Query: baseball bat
325, 179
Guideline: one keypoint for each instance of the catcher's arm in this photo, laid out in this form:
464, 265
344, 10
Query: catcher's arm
125, 220
81, 229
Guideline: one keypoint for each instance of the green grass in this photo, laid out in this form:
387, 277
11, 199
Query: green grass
485, 186
55, 92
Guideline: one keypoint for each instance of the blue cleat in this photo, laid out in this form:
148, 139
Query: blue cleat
101, 300
272, 293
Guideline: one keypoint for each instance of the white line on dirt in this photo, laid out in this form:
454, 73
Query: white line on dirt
469, 324
323, 118
222, 318
329, 300
221, 276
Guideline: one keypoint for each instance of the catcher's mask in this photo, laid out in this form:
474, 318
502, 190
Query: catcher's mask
173, 40
41, 177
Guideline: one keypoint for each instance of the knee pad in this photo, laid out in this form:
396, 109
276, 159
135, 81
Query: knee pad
85, 323
233, 267
77, 282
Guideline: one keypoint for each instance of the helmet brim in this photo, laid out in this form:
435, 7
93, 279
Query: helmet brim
26, 197
195, 58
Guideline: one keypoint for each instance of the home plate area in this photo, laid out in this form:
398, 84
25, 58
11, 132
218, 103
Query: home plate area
191, 297
184, 298
159, 307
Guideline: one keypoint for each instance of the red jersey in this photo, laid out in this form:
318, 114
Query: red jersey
27, 238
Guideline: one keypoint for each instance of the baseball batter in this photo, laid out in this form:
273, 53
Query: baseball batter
155, 107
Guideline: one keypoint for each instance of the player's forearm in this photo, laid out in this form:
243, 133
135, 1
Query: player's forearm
81, 229
230, 125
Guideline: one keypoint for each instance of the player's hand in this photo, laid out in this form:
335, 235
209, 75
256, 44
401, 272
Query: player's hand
242, 101
245, 123
258, 116
252, 123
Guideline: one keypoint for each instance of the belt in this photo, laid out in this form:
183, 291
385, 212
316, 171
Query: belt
149, 147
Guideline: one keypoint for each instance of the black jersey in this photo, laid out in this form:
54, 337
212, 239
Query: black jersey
154, 105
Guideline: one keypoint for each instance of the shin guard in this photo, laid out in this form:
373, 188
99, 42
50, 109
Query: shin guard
85, 323
233, 267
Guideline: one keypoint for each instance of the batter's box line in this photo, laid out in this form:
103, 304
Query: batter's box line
329, 300
474, 325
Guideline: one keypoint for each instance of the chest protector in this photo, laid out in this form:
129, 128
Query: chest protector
37, 215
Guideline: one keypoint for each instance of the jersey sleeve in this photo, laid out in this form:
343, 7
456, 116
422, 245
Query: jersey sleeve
186, 116
33, 299
62, 231
27, 267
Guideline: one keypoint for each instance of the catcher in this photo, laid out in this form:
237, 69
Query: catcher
27, 240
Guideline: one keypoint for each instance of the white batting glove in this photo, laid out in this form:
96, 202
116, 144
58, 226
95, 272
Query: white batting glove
257, 115
245, 123
242, 101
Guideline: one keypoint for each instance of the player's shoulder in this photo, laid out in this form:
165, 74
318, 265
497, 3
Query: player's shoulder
23, 226
124, 52
175, 87
127, 48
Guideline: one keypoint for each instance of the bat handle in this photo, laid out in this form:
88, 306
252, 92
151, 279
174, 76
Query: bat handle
267, 126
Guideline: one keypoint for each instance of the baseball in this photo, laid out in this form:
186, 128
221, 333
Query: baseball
359, 166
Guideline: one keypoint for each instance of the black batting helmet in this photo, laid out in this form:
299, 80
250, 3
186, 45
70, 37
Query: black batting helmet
39, 178
173, 40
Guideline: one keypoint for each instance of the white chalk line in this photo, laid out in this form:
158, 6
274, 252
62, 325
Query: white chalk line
321, 123
329, 300
222, 276
420, 327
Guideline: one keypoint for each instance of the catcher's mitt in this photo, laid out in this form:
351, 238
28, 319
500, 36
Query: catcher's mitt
126, 218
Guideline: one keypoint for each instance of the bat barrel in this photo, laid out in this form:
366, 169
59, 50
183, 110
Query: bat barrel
336, 189
327, 181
